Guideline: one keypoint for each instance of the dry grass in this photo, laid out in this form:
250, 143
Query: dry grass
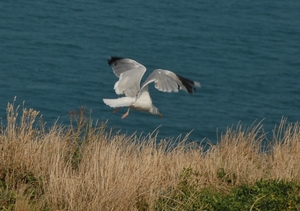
89, 168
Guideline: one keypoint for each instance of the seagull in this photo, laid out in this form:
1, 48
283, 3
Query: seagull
137, 97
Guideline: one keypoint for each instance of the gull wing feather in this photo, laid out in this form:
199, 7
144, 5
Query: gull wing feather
129, 73
167, 81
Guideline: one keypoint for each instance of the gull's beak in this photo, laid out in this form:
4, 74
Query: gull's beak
160, 115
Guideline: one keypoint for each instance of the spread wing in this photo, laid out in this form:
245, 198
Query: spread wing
129, 73
167, 81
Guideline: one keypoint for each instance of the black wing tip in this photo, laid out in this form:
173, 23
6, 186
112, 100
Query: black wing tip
113, 59
189, 84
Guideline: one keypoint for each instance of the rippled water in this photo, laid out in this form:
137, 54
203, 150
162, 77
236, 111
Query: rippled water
244, 53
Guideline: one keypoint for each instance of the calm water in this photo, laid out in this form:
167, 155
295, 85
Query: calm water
245, 54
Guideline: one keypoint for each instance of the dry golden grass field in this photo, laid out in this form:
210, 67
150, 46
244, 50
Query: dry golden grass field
86, 166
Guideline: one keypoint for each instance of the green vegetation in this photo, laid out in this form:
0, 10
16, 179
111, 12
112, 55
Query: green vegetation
83, 166
262, 195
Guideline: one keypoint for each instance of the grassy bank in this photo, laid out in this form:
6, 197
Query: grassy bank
88, 167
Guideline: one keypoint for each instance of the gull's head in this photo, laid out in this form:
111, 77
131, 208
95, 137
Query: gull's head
155, 111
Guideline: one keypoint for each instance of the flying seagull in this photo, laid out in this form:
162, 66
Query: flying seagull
137, 97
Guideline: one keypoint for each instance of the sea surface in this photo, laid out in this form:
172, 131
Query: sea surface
245, 54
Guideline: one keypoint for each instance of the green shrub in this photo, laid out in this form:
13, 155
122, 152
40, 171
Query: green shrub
263, 195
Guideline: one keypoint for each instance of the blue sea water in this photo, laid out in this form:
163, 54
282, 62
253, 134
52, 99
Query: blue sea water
245, 54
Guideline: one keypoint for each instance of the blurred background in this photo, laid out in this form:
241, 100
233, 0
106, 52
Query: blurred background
245, 54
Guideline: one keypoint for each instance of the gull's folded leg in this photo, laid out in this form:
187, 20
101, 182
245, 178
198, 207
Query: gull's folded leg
126, 114
116, 110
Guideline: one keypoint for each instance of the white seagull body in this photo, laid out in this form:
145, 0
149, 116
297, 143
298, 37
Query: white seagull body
137, 97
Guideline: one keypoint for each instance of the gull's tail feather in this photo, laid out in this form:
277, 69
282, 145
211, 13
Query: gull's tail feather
119, 102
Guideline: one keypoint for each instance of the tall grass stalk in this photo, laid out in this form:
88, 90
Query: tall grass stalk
88, 167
